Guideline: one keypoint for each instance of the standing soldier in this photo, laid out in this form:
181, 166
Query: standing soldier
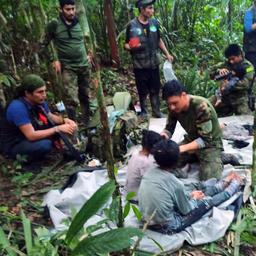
143, 41
71, 58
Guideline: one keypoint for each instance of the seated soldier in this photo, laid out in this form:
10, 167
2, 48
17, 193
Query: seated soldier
164, 197
232, 98
25, 128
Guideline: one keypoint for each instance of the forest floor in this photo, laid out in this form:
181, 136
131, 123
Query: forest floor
25, 190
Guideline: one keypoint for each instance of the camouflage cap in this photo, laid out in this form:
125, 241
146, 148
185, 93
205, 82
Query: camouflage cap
144, 3
31, 82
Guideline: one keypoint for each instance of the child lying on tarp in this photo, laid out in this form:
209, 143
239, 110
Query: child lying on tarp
161, 192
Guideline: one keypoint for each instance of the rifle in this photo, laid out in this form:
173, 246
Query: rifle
251, 98
79, 157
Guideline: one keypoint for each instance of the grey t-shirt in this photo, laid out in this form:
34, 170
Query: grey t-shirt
160, 190
137, 166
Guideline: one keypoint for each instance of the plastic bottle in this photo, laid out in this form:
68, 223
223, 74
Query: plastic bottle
168, 71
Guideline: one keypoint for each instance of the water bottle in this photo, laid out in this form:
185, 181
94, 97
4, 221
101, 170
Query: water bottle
168, 71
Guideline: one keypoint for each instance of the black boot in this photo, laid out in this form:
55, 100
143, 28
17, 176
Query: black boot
143, 112
155, 105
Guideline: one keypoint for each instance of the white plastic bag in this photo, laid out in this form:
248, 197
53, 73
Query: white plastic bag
168, 71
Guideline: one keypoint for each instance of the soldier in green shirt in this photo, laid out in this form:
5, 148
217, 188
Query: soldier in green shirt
233, 92
199, 119
70, 58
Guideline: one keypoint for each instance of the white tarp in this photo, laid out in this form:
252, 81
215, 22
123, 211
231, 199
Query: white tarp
210, 228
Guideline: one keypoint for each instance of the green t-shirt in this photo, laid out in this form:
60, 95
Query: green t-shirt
161, 191
71, 51
199, 121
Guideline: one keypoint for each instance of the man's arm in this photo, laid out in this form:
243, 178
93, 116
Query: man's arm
161, 45
57, 119
33, 135
249, 26
47, 48
244, 83
169, 128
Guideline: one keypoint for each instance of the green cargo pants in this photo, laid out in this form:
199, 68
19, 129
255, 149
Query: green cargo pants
76, 92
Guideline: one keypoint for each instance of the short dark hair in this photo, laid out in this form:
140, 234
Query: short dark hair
166, 153
66, 2
149, 139
233, 50
173, 88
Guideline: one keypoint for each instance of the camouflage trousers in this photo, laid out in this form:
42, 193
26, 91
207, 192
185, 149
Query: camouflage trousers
209, 160
76, 92
230, 106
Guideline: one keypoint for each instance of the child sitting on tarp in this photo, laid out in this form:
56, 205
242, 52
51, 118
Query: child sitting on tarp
141, 161
163, 195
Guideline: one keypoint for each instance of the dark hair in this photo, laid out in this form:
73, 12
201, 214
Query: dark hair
149, 139
66, 2
166, 153
173, 88
143, 4
233, 50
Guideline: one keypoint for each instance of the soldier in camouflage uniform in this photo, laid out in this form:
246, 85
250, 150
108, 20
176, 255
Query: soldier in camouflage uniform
71, 58
234, 91
199, 119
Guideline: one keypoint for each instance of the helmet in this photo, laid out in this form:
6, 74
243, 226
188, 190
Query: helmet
144, 3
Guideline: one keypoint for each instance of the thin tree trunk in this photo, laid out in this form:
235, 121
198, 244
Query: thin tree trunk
111, 33
230, 13
108, 144
3, 20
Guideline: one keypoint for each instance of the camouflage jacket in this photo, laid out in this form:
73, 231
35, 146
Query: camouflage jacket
199, 121
244, 82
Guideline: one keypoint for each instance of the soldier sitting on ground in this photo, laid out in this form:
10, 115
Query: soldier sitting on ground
25, 128
232, 98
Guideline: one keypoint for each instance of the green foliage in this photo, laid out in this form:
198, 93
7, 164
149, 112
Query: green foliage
91, 207
247, 226
110, 241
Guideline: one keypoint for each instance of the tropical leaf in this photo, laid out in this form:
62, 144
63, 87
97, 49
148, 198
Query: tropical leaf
110, 241
27, 233
127, 208
137, 212
91, 207
5, 244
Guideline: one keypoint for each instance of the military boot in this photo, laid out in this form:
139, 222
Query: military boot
155, 105
143, 112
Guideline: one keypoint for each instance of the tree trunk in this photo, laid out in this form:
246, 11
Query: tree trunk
230, 13
3, 20
111, 33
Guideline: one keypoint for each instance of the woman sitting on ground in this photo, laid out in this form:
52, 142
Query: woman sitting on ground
163, 195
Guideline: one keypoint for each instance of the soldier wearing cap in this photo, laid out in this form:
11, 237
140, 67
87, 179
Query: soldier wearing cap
143, 41
25, 129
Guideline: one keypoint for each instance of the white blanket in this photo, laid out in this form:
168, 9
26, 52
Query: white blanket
210, 228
